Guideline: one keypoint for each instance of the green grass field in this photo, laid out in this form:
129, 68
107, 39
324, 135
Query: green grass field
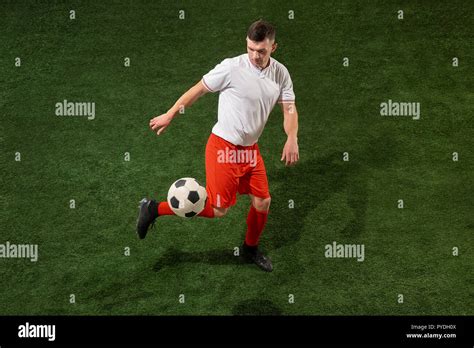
408, 251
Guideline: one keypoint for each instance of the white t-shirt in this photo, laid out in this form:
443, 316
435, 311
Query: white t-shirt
247, 96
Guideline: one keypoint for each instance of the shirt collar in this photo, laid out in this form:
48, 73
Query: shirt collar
258, 70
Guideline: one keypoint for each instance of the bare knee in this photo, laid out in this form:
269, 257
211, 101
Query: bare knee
220, 212
261, 204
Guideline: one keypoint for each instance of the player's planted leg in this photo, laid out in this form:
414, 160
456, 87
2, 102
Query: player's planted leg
256, 221
254, 255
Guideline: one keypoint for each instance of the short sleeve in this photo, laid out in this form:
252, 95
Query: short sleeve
286, 88
218, 78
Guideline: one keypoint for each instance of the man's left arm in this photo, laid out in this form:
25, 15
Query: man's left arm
290, 152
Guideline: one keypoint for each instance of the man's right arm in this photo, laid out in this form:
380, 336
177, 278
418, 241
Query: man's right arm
159, 123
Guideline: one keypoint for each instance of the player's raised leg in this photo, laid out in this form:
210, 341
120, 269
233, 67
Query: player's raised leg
147, 213
149, 210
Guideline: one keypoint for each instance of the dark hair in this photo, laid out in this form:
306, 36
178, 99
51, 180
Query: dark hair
260, 30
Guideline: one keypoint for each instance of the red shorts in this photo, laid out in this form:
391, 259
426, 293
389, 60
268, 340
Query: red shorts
233, 168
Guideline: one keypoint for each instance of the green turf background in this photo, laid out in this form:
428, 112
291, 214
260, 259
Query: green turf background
81, 251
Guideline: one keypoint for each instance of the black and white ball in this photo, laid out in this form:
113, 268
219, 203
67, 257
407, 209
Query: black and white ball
187, 197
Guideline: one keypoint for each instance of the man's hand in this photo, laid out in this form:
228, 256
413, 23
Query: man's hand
290, 152
159, 123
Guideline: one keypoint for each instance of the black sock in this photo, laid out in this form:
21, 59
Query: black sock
250, 248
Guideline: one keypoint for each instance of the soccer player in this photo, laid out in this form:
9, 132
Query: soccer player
249, 86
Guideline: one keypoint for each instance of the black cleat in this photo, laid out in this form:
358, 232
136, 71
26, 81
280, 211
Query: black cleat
252, 254
147, 213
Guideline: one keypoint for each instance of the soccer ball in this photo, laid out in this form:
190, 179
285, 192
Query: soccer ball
186, 197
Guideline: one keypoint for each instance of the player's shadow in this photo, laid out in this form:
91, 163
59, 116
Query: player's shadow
313, 181
308, 184
173, 257
256, 307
